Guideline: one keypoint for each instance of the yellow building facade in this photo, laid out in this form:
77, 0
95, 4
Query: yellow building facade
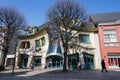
36, 46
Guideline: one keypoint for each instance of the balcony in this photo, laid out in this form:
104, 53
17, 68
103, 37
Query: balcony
87, 46
112, 44
82, 45
31, 51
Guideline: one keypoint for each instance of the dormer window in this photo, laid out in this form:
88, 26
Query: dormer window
30, 31
76, 22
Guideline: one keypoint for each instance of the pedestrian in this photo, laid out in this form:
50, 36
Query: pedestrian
79, 66
32, 65
73, 64
103, 65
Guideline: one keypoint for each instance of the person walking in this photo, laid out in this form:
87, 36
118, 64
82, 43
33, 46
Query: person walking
79, 65
103, 65
32, 65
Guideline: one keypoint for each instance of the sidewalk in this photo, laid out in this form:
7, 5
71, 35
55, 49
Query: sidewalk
55, 74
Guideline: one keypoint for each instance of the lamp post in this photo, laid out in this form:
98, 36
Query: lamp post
14, 64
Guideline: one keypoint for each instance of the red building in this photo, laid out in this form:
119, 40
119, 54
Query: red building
109, 37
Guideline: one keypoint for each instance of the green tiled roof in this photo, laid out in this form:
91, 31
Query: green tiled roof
89, 27
31, 35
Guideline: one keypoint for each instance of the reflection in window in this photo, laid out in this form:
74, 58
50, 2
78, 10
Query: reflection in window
30, 31
54, 47
37, 43
42, 41
84, 38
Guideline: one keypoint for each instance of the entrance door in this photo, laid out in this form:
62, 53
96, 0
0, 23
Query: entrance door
10, 62
119, 62
54, 62
73, 61
88, 58
37, 61
24, 61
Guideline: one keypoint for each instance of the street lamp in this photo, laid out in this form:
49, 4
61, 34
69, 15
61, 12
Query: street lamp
14, 64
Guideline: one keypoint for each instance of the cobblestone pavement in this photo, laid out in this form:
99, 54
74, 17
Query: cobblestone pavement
55, 74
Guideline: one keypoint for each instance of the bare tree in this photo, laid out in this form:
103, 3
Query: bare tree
11, 21
66, 17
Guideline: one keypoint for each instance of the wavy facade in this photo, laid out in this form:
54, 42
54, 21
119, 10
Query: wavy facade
36, 46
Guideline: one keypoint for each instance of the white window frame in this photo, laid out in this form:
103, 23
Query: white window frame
110, 36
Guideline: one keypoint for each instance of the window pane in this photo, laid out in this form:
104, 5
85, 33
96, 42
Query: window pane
110, 36
37, 43
30, 31
84, 38
22, 45
28, 45
43, 41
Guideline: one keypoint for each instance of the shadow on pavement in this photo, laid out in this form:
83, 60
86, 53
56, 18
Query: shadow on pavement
2, 74
81, 74
59, 75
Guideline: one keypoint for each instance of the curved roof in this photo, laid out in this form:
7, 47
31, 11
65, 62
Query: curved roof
31, 35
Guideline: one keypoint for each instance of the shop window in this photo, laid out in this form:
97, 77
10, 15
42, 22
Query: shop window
114, 60
37, 61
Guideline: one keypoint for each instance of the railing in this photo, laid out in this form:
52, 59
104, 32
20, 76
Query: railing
87, 46
83, 45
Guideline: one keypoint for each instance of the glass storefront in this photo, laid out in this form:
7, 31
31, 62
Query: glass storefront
54, 62
37, 61
88, 59
73, 61
114, 60
24, 61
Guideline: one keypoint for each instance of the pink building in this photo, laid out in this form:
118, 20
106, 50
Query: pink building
109, 37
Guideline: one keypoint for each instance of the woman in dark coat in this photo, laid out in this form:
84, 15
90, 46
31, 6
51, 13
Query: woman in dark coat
103, 65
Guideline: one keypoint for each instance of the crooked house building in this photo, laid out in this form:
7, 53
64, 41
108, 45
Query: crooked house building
36, 46
83, 48
99, 39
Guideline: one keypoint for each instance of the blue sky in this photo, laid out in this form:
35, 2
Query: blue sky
35, 10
